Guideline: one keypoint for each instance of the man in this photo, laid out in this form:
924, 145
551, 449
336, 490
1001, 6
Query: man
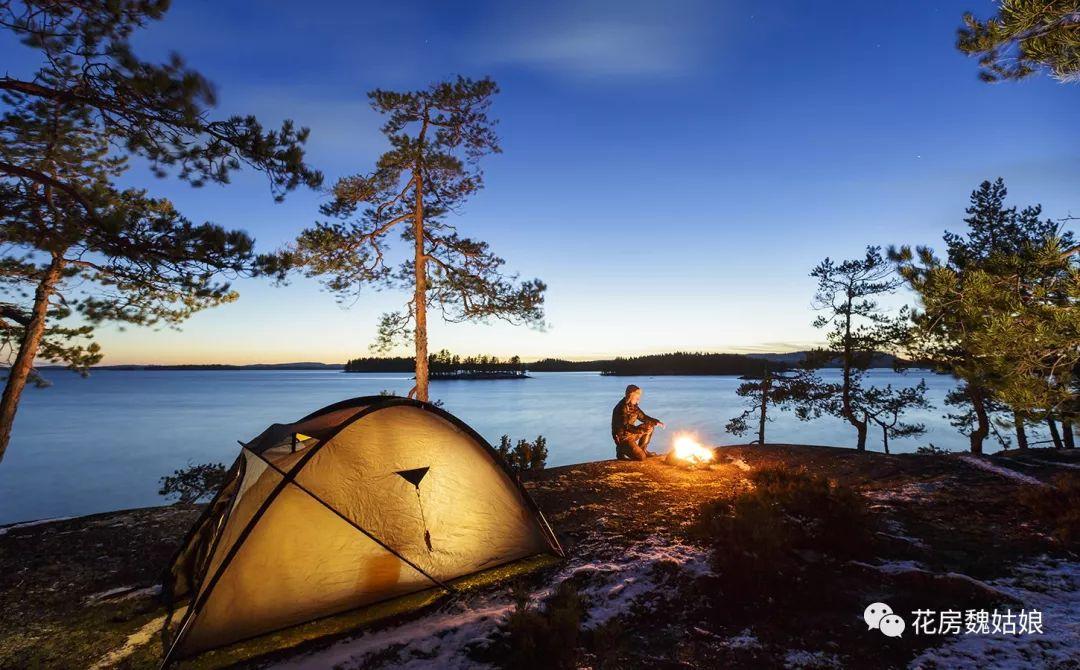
631, 428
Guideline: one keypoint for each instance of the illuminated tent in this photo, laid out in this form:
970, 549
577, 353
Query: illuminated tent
360, 502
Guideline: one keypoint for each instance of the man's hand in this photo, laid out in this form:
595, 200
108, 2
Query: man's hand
661, 424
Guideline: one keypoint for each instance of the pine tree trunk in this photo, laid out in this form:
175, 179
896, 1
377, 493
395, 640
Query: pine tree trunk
1067, 433
846, 409
1054, 434
420, 295
23, 364
764, 406
1021, 433
885, 438
982, 429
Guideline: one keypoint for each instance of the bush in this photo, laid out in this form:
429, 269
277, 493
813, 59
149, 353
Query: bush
547, 637
1057, 505
193, 483
791, 509
931, 450
525, 455
765, 538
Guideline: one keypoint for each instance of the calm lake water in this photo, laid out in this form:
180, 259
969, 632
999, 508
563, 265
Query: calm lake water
100, 444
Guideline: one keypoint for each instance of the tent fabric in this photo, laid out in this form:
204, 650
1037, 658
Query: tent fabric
385, 497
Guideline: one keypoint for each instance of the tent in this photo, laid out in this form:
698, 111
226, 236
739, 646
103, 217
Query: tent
363, 501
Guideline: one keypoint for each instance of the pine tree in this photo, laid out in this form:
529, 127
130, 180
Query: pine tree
771, 392
1025, 37
437, 137
847, 297
1000, 312
79, 251
886, 407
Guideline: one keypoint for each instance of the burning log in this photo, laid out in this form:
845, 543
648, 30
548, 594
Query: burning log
687, 452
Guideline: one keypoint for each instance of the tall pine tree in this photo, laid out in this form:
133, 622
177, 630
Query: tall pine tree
437, 137
1000, 311
75, 245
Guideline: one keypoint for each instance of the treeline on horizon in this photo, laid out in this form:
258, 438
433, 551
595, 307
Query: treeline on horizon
690, 363
677, 363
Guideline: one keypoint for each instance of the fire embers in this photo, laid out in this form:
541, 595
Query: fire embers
687, 452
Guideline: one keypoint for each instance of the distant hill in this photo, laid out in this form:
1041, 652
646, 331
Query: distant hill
563, 365
221, 366
689, 363
381, 364
793, 358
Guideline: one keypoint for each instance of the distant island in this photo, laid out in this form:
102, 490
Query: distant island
794, 358
304, 365
445, 365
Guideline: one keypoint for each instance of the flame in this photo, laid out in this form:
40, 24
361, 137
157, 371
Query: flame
688, 449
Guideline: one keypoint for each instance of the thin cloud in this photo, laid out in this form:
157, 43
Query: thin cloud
587, 39
775, 347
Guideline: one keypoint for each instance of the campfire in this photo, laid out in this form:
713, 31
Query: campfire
687, 452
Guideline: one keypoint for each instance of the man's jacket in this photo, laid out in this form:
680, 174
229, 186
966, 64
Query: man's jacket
625, 418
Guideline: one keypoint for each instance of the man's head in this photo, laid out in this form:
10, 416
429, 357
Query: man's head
633, 393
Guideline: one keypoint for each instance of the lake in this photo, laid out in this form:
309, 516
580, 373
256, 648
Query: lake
98, 444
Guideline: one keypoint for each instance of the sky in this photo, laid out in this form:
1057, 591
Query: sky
672, 170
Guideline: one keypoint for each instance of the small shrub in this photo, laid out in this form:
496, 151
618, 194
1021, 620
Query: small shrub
931, 450
525, 455
1057, 505
609, 644
765, 538
193, 483
790, 509
545, 637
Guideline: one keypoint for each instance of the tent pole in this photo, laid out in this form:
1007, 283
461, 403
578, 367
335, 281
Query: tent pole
358, 527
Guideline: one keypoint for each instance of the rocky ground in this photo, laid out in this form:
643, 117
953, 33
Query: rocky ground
645, 583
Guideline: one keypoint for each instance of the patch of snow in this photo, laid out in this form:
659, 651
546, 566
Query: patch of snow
907, 567
1049, 586
909, 492
894, 567
744, 640
124, 593
800, 658
442, 639
27, 524
632, 577
913, 541
437, 640
1060, 464
983, 464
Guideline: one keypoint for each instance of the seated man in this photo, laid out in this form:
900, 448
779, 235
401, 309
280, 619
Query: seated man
631, 437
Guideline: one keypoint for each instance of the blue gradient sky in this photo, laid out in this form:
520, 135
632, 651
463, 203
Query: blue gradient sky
672, 169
